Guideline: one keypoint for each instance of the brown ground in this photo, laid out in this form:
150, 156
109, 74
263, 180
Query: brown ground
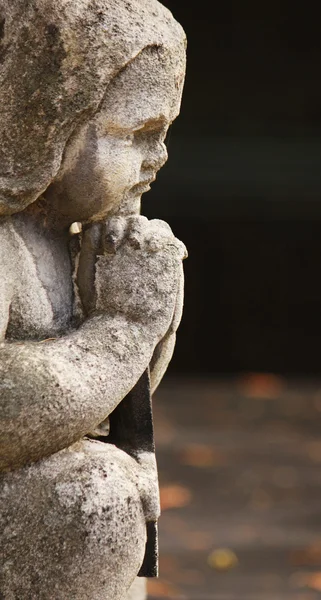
240, 472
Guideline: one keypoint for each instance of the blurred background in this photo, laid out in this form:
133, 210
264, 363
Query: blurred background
238, 417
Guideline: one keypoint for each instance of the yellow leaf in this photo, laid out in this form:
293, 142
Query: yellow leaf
222, 559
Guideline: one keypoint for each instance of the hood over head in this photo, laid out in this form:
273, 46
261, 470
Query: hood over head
57, 58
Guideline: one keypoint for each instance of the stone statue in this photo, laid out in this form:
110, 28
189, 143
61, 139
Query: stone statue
90, 291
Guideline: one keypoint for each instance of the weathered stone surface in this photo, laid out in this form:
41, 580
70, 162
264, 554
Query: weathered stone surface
72, 526
88, 90
55, 392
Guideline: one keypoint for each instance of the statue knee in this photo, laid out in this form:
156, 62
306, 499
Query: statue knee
83, 520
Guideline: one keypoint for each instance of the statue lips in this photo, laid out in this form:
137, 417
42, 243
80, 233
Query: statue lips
143, 186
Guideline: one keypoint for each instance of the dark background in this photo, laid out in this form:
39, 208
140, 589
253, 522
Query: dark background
243, 187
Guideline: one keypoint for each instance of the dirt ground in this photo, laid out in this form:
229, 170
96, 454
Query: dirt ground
240, 473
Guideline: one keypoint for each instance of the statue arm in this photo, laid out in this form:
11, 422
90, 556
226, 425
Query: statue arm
53, 393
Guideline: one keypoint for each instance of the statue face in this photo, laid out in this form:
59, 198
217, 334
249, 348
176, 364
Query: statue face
113, 159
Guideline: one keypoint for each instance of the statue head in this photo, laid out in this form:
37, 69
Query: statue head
89, 89
111, 160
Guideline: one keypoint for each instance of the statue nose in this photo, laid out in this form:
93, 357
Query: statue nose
156, 157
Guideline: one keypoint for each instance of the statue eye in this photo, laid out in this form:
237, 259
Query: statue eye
129, 139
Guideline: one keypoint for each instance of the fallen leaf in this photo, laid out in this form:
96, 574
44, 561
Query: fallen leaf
160, 588
261, 385
174, 496
222, 559
201, 455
